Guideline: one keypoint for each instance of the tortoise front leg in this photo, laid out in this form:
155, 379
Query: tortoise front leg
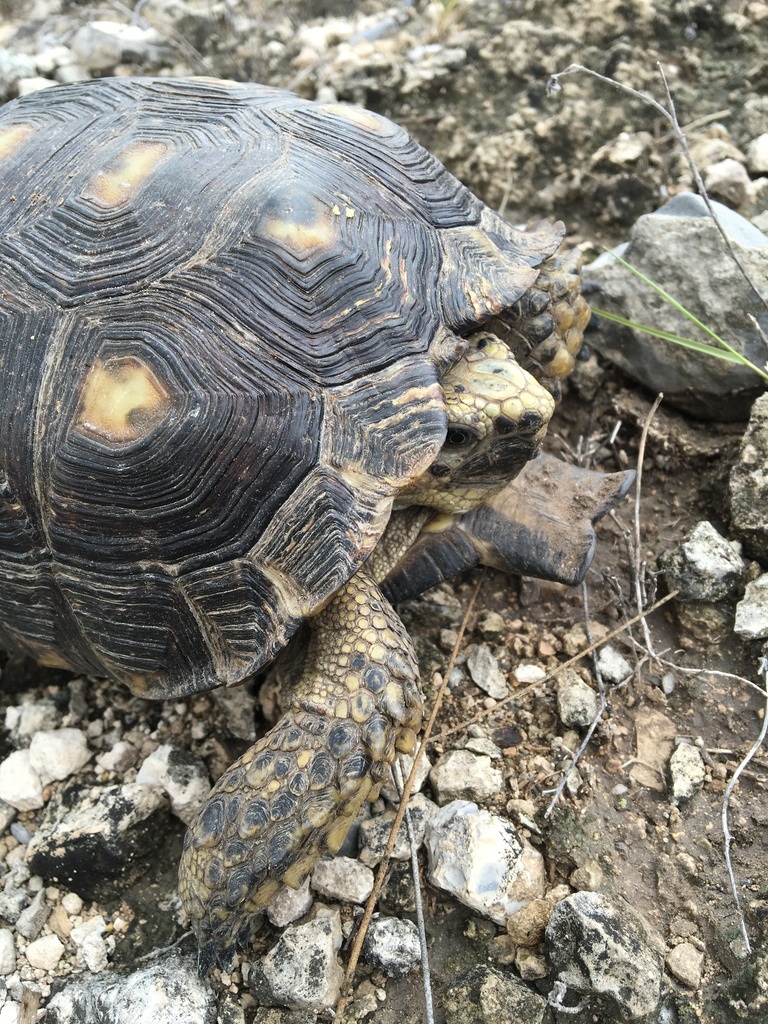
541, 524
294, 794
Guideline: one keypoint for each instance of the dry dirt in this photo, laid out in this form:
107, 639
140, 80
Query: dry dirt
489, 117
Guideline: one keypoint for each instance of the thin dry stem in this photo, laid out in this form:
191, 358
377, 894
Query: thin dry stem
763, 671
639, 575
595, 721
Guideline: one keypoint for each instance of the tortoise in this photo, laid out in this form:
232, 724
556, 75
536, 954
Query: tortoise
262, 358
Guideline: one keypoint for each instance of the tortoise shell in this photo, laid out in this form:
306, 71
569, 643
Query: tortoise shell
225, 314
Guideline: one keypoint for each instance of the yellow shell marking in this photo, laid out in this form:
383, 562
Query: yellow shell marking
124, 175
300, 233
122, 399
12, 138
362, 118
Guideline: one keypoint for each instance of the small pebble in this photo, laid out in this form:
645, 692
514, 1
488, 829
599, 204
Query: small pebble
55, 754
688, 772
95, 954
342, 878
613, 666
45, 953
685, 964
485, 672
392, 945
7, 952
289, 905
20, 785
462, 775
527, 674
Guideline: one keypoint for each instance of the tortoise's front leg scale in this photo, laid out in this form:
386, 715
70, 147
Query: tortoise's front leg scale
294, 794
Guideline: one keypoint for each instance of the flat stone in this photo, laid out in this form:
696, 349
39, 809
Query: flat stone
711, 285
752, 611
599, 947
479, 858
685, 963
45, 953
7, 952
55, 754
20, 785
166, 992
342, 878
484, 995
302, 970
485, 672
686, 768
31, 920
462, 775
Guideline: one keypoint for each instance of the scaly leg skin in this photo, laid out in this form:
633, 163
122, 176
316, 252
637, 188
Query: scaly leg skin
294, 794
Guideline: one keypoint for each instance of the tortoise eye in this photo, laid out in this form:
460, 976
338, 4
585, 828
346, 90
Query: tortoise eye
458, 437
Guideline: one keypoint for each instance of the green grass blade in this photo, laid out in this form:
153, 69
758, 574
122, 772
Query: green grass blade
676, 339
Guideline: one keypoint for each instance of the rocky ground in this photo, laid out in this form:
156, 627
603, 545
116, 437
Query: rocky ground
637, 829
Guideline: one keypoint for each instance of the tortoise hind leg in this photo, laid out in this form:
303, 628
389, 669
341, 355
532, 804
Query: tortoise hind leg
294, 794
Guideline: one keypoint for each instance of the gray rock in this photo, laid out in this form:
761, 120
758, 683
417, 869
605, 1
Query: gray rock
165, 992
705, 567
390, 792
7, 952
486, 996
290, 904
182, 775
485, 672
748, 484
102, 45
576, 700
680, 248
462, 775
613, 666
31, 920
392, 945
302, 970
482, 745
686, 767
728, 181
95, 953
757, 154
342, 878
375, 832
480, 859
752, 611
598, 947
20, 785
24, 720
55, 754
97, 839
44, 953
685, 963
12, 903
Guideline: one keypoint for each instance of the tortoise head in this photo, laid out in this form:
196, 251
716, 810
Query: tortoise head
497, 415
